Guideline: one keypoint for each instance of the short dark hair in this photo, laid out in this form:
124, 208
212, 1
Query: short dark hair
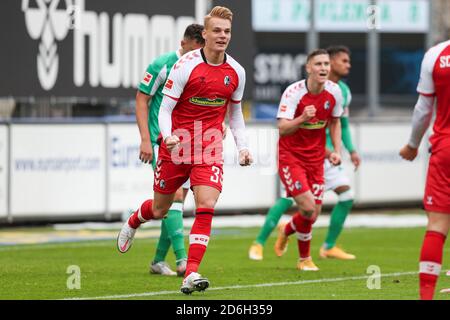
334, 50
316, 52
194, 32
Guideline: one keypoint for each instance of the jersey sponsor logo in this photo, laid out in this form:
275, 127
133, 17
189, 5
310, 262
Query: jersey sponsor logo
227, 80
199, 101
310, 125
169, 84
445, 61
147, 78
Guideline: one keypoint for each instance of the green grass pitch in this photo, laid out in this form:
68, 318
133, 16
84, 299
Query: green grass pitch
40, 271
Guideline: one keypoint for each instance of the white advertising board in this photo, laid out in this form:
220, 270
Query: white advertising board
57, 169
130, 181
3, 171
384, 176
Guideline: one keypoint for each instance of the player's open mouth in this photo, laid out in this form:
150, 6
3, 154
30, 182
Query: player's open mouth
221, 43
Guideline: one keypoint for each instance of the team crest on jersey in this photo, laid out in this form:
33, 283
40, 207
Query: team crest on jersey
298, 185
162, 184
169, 84
226, 80
327, 105
147, 78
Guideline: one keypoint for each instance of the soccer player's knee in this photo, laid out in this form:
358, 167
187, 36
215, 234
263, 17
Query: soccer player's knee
160, 212
207, 203
179, 195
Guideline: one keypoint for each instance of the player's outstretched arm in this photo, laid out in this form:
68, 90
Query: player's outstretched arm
237, 127
423, 112
145, 148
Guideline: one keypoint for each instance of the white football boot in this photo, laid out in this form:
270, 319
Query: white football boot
194, 282
125, 237
161, 268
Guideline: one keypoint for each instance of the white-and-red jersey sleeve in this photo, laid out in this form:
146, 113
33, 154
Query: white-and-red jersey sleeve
334, 89
237, 95
426, 84
290, 100
180, 73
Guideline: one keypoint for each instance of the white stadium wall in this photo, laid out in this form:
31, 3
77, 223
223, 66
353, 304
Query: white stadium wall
59, 170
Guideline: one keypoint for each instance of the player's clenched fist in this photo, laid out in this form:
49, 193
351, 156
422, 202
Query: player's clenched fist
245, 158
309, 112
335, 158
171, 142
408, 153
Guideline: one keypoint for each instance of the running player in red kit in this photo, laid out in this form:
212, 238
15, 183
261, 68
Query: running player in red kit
200, 88
434, 86
306, 108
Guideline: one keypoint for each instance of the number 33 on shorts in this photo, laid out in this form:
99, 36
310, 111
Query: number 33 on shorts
217, 175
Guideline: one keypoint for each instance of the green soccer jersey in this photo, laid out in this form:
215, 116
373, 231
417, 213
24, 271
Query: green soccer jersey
346, 136
152, 84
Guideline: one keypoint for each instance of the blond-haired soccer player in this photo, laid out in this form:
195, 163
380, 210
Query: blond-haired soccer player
433, 87
202, 86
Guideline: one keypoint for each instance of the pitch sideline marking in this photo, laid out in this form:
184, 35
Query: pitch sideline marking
260, 285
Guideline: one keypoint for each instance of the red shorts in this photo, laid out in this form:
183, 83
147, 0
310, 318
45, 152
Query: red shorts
437, 188
298, 179
168, 177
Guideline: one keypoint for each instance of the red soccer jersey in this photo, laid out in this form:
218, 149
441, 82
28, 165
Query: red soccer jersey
435, 81
307, 144
203, 92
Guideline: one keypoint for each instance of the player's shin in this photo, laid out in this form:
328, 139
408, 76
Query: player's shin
272, 219
430, 263
338, 216
199, 238
303, 228
174, 224
143, 214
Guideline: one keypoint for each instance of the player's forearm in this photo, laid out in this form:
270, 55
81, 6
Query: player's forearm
237, 126
287, 127
336, 134
346, 135
165, 116
423, 112
142, 115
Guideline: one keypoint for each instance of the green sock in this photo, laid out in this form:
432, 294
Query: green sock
174, 224
272, 218
163, 243
337, 220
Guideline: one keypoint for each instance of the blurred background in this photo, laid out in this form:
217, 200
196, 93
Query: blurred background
69, 70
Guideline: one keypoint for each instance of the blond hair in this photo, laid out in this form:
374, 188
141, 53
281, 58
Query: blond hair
219, 12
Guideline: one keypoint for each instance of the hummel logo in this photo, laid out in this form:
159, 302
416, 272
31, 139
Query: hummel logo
429, 200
